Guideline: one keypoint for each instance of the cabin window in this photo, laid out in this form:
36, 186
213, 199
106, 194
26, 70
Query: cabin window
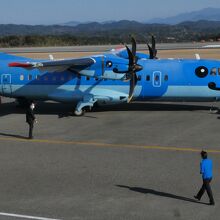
37, 77
21, 77
147, 78
29, 77
219, 71
213, 72
139, 78
166, 78
87, 78
201, 71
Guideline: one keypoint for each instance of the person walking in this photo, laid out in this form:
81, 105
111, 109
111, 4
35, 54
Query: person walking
31, 119
206, 171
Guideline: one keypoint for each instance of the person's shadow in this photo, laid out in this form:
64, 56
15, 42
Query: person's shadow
158, 193
13, 136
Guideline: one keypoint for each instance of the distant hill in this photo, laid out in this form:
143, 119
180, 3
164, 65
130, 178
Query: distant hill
106, 33
209, 14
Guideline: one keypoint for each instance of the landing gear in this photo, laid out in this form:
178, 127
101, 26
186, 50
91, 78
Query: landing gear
79, 113
214, 109
87, 103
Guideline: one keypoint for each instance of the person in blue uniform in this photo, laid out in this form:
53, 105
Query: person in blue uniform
206, 171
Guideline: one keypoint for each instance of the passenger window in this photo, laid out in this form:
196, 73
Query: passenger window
213, 71
219, 71
147, 78
29, 77
37, 77
21, 77
139, 78
166, 78
87, 78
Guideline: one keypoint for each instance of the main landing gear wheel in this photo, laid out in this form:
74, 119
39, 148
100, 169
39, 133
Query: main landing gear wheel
79, 113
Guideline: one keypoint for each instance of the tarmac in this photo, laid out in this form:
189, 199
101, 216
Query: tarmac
107, 48
132, 161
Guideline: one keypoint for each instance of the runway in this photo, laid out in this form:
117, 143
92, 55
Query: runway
133, 161
106, 48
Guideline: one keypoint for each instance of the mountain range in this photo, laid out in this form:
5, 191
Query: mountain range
208, 14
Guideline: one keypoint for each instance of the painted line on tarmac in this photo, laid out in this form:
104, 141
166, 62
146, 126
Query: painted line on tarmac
25, 216
97, 144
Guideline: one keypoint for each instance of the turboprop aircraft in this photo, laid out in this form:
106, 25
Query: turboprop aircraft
119, 76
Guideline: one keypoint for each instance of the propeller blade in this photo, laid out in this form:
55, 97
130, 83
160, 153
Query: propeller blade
130, 57
134, 46
133, 82
150, 51
154, 47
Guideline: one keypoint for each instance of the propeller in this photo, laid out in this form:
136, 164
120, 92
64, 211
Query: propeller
132, 69
152, 49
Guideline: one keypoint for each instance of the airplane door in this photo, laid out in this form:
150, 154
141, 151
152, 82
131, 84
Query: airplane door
6, 83
157, 75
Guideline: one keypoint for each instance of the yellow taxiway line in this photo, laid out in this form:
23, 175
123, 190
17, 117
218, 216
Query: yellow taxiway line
97, 144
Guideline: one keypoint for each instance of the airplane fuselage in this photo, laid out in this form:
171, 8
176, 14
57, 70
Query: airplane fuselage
163, 79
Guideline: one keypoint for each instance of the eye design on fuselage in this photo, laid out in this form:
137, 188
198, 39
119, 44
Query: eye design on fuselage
109, 64
201, 71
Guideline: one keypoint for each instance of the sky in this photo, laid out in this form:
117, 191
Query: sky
62, 11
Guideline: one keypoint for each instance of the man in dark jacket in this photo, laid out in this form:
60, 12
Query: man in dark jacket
30, 119
206, 171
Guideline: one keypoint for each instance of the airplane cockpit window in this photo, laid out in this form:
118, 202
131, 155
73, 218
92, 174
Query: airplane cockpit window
213, 72
21, 77
201, 71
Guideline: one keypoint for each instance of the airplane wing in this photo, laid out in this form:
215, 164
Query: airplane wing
56, 65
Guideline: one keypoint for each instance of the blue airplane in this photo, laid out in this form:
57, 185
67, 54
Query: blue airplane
116, 77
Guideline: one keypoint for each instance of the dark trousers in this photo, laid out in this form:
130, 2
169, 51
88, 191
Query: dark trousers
206, 187
31, 127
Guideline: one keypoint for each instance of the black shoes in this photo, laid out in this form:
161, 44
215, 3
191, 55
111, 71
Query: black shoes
212, 203
197, 198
